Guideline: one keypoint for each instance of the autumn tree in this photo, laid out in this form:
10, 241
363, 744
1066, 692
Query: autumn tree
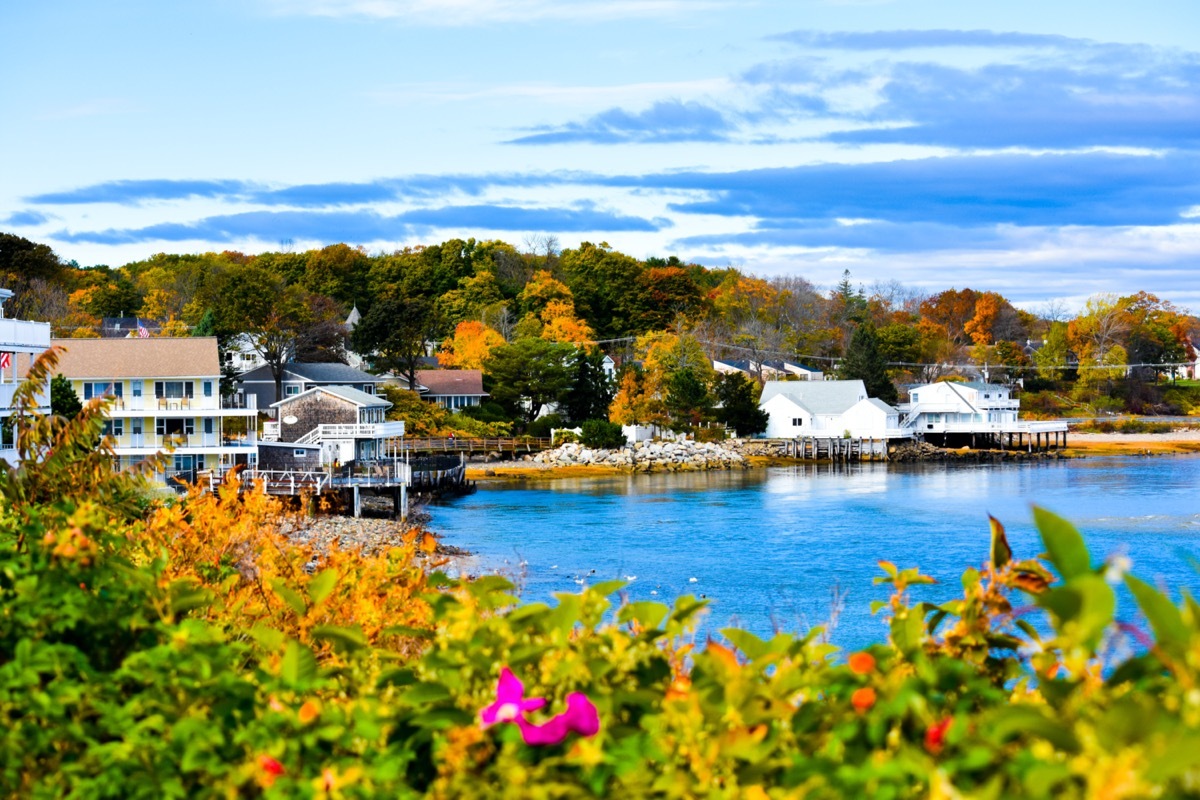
952, 310
470, 346
638, 400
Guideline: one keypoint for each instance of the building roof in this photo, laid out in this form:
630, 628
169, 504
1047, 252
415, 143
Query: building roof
441, 382
819, 397
166, 357
349, 393
331, 373
875, 401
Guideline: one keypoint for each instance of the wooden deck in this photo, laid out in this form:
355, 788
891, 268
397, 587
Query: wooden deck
522, 444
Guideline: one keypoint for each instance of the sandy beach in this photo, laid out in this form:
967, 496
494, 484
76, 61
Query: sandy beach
1181, 441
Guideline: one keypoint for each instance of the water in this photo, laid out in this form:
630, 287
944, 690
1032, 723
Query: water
772, 549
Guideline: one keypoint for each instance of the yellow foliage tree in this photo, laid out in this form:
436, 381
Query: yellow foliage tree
561, 324
638, 400
470, 346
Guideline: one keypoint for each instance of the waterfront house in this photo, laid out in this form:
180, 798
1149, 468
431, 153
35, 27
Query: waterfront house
20, 341
164, 391
452, 388
346, 423
822, 409
299, 377
975, 414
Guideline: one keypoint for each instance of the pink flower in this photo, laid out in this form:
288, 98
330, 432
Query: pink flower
510, 704
581, 716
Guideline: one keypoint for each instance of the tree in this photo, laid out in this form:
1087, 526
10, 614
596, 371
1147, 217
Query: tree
470, 346
638, 400
864, 362
688, 400
738, 397
397, 333
591, 390
63, 400
528, 374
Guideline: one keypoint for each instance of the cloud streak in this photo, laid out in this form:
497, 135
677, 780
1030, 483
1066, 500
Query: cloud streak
366, 225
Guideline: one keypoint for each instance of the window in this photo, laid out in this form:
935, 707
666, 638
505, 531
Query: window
137, 388
291, 391
797, 422
299, 453
174, 427
114, 427
369, 388
174, 390
102, 389
208, 388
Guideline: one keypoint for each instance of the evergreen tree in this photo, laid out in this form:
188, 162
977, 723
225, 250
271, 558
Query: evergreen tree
688, 399
63, 400
739, 405
865, 362
591, 391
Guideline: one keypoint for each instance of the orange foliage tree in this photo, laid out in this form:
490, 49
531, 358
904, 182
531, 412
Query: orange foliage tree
470, 346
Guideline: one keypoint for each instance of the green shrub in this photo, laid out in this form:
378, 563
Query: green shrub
542, 426
602, 434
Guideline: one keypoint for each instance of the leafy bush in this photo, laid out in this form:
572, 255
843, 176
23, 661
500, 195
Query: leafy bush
565, 435
542, 426
602, 434
190, 651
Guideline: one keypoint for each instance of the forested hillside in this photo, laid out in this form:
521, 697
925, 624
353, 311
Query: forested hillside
492, 305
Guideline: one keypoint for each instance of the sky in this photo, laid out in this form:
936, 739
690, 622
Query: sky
1048, 151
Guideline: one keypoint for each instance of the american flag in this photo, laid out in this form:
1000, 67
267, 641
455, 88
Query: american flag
5, 360
143, 332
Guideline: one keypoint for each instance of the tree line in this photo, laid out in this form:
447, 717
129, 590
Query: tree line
538, 318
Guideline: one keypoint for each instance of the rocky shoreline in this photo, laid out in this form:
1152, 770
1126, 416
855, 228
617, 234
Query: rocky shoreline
656, 456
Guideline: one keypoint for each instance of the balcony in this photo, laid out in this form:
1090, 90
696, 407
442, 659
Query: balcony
362, 430
23, 336
6, 395
182, 406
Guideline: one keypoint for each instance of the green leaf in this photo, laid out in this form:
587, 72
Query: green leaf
605, 588
1082, 609
1064, 545
299, 665
747, 642
289, 596
647, 613
269, 638
349, 639
425, 693
1001, 552
1010, 722
907, 629
1169, 628
322, 585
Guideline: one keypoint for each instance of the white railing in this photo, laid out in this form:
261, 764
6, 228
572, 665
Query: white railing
361, 430
23, 335
270, 432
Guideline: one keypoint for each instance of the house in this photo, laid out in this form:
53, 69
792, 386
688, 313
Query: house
299, 377
164, 391
346, 423
241, 355
974, 413
128, 327
452, 388
820, 409
20, 341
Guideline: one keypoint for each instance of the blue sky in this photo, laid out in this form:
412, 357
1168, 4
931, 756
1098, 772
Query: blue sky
1046, 151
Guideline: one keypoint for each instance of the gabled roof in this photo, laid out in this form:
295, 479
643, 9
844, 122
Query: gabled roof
819, 397
875, 401
441, 382
348, 393
331, 373
166, 357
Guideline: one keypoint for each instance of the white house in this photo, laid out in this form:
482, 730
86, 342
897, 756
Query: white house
769, 370
963, 411
20, 341
827, 409
164, 391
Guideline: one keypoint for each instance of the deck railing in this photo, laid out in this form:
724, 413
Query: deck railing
522, 444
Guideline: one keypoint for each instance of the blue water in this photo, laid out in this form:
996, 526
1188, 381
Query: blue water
782, 549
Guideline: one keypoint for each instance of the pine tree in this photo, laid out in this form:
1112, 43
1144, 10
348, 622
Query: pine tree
864, 362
